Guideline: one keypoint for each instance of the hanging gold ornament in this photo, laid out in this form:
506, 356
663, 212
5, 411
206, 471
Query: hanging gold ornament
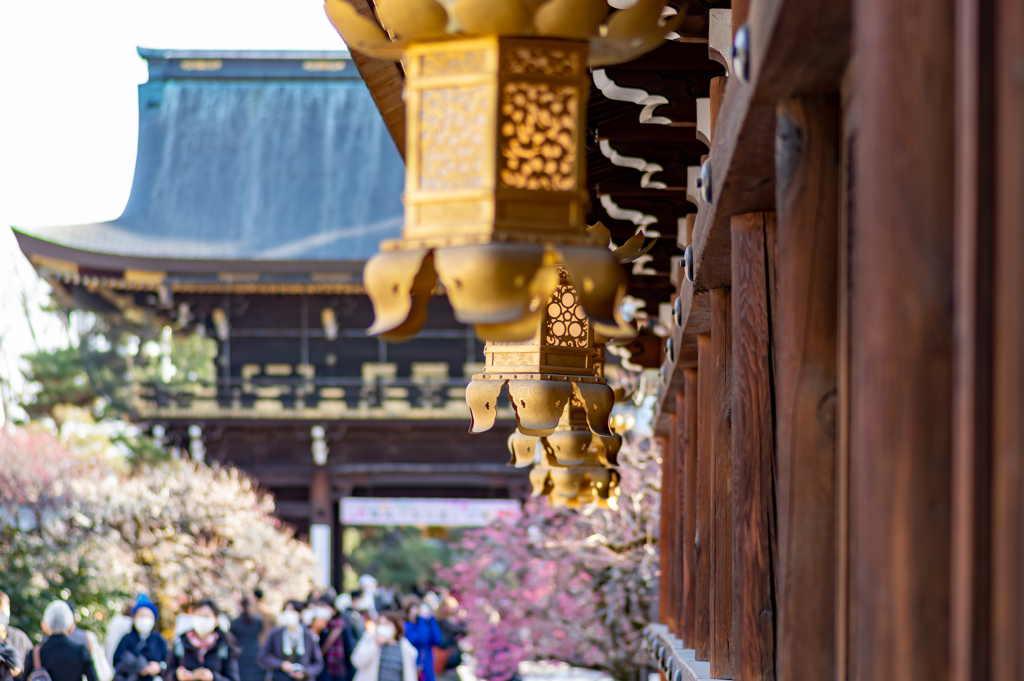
496, 94
560, 363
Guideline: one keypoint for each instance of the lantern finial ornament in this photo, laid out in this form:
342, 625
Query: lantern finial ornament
495, 199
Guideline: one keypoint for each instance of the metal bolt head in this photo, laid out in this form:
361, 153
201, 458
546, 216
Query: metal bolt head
678, 675
704, 181
688, 263
670, 350
741, 53
677, 311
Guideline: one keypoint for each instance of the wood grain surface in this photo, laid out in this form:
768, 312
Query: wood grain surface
753, 453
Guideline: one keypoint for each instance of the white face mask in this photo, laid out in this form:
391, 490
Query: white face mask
144, 625
386, 631
289, 619
307, 616
323, 614
203, 626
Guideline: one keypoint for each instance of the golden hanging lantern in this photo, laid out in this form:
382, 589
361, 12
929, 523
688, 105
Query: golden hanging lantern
560, 363
496, 96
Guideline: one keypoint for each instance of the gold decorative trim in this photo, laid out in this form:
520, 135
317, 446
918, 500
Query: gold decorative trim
201, 64
323, 65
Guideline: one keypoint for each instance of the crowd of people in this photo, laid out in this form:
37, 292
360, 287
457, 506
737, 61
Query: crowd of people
371, 635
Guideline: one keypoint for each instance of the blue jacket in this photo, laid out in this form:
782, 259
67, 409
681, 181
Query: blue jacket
424, 633
153, 649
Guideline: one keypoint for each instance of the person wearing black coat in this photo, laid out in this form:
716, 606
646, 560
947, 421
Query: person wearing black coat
205, 652
142, 652
247, 628
63, 658
291, 652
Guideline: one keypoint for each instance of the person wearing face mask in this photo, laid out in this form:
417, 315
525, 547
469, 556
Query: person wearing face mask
14, 643
384, 653
337, 641
142, 652
423, 632
290, 651
203, 652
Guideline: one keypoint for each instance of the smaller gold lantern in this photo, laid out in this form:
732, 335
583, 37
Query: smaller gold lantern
560, 362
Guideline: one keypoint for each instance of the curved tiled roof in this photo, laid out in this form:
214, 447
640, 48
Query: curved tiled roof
255, 156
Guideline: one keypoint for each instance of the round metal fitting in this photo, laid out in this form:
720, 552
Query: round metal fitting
741, 53
678, 675
688, 263
661, 654
670, 350
704, 181
677, 310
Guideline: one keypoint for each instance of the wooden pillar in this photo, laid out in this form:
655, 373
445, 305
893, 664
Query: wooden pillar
702, 530
689, 437
321, 523
806, 352
720, 407
753, 453
1008, 350
901, 339
663, 552
670, 506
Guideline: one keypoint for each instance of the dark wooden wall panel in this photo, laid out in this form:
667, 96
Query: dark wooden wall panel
901, 339
1008, 337
702, 533
753, 449
806, 352
689, 422
721, 653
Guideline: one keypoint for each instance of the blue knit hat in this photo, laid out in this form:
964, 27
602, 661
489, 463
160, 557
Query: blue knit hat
143, 602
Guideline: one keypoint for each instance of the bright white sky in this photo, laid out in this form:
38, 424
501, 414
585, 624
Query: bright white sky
69, 112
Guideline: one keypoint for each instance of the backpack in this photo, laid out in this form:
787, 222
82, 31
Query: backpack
38, 673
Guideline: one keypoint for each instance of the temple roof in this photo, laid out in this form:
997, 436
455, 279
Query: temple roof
254, 161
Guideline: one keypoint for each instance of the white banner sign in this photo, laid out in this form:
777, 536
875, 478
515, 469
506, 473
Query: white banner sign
429, 512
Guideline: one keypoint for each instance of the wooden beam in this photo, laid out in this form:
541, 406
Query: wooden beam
798, 46
663, 549
688, 421
971, 598
806, 351
720, 406
1008, 342
901, 339
679, 512
753, 455
385, 80
320, 497
670, 508
703, 529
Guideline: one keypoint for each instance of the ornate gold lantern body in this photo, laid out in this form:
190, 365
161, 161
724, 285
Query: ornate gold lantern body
496, 97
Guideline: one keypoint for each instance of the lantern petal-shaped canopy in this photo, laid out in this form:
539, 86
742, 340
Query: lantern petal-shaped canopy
538, 404
523, 448
599, 399
482, 397
400, 285
626, 35
413, 19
